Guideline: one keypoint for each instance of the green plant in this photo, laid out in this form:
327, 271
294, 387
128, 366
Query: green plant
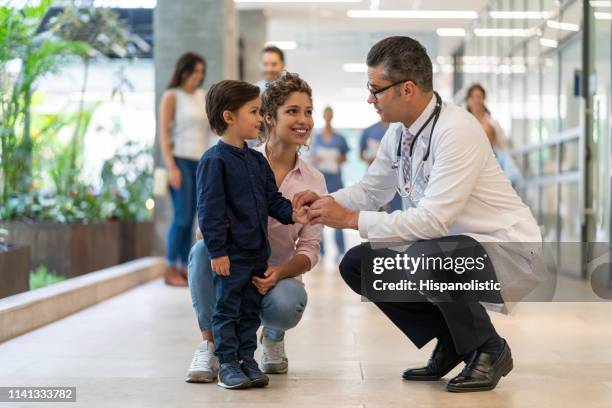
128, 178
106, 34
26, 55
41, 277
81, 205
67, 157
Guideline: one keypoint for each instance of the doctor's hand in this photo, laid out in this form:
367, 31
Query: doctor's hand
328, 212
270, 280
304, 198
221, 265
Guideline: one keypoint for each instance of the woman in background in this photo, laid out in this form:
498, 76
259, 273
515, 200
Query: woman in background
328, 153
185, 135
475, 101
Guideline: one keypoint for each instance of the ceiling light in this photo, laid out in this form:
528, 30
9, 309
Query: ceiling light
562, 26
547, 42
414, 14
502, 32
354, 67
148, 4
519, 15
297, 1
283, 45
596, 4
450, 32
602, 16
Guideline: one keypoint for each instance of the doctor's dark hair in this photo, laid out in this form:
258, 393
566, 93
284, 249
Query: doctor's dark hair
228, 95
403, 58
276, 94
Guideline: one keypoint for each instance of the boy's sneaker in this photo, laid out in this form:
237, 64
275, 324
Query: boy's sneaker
273, 360
251, 369
232, 377
205, 365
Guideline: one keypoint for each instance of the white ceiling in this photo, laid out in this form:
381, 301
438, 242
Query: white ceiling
327, 38
319, 15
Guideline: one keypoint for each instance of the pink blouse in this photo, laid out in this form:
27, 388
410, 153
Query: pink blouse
286, 241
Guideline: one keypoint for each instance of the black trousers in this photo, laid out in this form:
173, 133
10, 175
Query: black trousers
466, 322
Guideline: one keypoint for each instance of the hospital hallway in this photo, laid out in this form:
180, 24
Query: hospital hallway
134, 349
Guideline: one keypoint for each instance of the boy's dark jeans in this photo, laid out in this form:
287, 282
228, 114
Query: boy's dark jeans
238, 306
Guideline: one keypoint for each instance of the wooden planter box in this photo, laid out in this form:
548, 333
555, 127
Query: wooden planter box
135, 240
68, 249
14, 270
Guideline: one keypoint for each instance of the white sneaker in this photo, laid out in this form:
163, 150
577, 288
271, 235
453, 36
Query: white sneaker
274, 360
205, 365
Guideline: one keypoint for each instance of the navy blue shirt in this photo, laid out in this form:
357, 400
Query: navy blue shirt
237, 187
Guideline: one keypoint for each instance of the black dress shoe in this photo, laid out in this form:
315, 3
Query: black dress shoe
442, 360
482, 374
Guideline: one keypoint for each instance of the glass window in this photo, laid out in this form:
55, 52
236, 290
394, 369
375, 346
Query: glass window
569, 212
549, 98
602, 63
549, 160
533, 163
569, 94
569, 229
569, 156
518, 105
533, 92
548, 212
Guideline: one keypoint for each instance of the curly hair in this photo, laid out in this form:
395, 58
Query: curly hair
276, 94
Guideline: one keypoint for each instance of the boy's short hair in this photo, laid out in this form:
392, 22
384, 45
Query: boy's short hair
274, 49
227, 95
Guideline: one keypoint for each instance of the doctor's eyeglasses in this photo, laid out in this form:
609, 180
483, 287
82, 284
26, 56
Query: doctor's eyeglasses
375, 92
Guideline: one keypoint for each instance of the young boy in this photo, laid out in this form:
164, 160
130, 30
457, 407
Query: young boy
236, 193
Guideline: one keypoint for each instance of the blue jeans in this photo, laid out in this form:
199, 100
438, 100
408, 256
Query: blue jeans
334, 183
180, 233
281, 308
339, 235
235, 318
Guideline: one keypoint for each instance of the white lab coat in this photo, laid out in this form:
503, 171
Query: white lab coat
466, 193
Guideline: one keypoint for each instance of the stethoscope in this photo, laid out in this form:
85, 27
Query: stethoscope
435, 115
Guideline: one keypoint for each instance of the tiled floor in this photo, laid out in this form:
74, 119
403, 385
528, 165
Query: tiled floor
133, 351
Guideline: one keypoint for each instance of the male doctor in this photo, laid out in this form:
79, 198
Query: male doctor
437, 157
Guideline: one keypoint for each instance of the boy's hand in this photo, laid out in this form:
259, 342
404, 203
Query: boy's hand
221, 265
301, 215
